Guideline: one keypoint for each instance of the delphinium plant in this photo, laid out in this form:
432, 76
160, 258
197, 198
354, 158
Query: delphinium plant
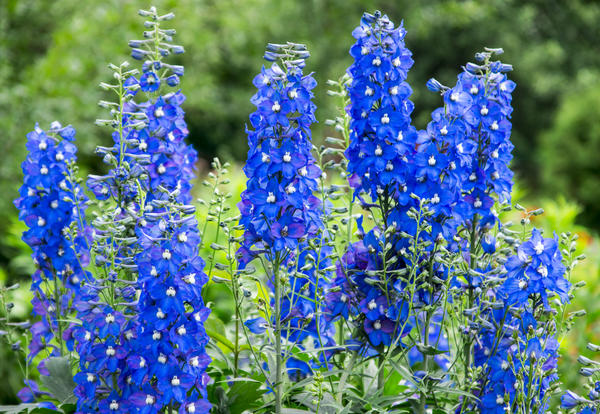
375, 273
437, 305
119, 290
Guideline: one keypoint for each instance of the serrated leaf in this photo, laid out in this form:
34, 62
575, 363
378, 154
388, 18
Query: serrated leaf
60, 379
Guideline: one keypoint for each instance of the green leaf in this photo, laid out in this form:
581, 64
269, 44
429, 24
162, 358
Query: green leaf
429, 350
60, 379
244, 395
16, 409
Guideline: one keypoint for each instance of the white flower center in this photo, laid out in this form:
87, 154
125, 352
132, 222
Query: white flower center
153, 272
290, 189
59, 156
166, 254
454, 96
389, 166
41, 222
431, 161
181, 330
175, 381
109, 318
499, 399
171, 136
303, 171
143, 146
364, 50
474, 90
91, 377
494, 154
539, 247
494, 126
44, 170
276, 107
271, 198
149, 400
161, 169
396, 62
378, 151
483, 111
477, 203
369, 91
393, 90
110, 351
385, 119
194, 362
376, 61
435, 199
162, 358
444, 130
522, 284
287, 157
293, 94
472, 177
542, 270
400, 137
171, 291
504, 365
142, 362
54, 204
191, 408
372, 305
114, 406
158, 112
377, 325
42, 145
160, 314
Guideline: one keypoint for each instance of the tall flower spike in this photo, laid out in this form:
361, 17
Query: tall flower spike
156, 339
172, 161
278, 207
278, 210
381, 137
53, 205
480, 105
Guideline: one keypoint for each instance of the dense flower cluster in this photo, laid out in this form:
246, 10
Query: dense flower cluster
382, 139
535, 272
52, 205
519, 364
278, 206
168, 360
380, 312
477, 115
278, 209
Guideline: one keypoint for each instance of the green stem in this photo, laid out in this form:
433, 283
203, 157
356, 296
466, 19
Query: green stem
277, 311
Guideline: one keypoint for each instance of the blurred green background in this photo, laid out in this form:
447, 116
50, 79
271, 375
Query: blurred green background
53, 54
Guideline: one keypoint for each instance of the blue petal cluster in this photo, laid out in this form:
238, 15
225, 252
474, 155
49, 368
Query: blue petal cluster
278, 207
477, 110
381, 137
168, 360
52, 205
535, 272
